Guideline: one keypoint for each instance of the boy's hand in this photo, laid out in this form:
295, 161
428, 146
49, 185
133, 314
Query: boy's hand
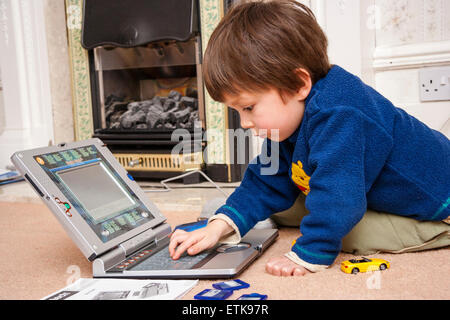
282, 266
197, 240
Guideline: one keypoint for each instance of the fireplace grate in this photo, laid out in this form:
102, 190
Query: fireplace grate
160, 162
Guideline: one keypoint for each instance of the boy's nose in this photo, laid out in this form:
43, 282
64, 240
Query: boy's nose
246, 124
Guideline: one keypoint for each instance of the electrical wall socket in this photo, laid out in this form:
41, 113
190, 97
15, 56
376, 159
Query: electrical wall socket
434, 84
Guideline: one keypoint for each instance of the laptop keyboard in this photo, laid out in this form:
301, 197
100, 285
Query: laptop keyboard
161, 260
152, 258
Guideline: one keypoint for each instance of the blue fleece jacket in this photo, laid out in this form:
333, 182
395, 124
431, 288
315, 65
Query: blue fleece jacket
353, 150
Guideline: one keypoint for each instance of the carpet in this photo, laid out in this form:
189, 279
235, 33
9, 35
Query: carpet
38, 258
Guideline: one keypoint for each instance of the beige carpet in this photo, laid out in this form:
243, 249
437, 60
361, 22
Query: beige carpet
38, 258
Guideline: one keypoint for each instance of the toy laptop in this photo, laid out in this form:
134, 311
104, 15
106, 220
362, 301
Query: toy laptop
114, 223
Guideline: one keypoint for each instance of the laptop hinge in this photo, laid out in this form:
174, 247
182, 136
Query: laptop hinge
125, 249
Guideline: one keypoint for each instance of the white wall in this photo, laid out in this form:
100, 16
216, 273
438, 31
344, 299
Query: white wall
386, 43
2, 108
59, 67
27, 115
412, 35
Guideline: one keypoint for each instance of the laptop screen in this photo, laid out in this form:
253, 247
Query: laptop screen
97, 192
84, 180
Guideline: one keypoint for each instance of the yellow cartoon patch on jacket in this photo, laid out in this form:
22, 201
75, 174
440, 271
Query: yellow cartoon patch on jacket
300, 178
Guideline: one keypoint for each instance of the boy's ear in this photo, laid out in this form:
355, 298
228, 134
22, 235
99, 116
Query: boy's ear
304, 91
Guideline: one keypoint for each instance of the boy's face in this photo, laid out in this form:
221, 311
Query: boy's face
267, 115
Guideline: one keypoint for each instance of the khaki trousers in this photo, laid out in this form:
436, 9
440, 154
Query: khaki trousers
379, 232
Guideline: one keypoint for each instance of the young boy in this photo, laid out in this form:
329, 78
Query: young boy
341, 144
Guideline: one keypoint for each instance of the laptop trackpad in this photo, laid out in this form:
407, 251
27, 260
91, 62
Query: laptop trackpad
227, 248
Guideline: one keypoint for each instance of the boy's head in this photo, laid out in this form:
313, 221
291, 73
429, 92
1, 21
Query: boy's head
260, 46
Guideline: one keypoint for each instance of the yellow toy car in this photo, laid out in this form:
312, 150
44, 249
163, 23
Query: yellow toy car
355, 266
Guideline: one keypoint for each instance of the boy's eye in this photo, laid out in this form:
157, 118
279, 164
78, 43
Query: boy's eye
249, 108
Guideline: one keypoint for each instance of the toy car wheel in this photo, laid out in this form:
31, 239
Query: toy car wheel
383, 266
355, 270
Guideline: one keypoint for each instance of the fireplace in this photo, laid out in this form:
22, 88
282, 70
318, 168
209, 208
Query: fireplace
145, 77
142, 96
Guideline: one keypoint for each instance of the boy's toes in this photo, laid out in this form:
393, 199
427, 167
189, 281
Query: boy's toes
286, 271
299, 272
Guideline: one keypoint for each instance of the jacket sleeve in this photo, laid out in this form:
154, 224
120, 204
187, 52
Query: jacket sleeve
265, 189
347, 152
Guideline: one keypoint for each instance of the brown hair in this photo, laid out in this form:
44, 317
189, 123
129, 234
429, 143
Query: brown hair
259, 45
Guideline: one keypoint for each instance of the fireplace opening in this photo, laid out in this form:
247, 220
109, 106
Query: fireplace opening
148, 89
177, 109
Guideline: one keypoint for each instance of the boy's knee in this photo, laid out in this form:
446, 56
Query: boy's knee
384, 232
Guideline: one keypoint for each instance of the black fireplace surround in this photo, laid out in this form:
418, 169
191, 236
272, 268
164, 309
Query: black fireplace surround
146, 81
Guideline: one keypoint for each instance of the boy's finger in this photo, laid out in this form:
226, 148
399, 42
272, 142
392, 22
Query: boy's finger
198, 247
177, 232
184, 246
176, 239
